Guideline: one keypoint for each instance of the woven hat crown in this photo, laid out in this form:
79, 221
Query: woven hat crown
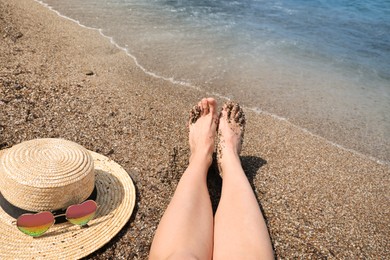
46, 174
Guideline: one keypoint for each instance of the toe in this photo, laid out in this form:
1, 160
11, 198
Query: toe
212, 105
235, 109
223, 113
213, 109
228, 107
205, 106
237, 113
194, 114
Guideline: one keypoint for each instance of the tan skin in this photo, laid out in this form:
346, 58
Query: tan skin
187, 229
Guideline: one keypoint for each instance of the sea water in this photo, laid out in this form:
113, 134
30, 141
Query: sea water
323, 65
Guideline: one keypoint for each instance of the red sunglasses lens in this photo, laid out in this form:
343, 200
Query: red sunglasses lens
82, 213
35, 224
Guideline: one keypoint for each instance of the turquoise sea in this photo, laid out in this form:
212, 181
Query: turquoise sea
323, 65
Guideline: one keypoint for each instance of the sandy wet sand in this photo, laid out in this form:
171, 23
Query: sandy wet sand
320, 200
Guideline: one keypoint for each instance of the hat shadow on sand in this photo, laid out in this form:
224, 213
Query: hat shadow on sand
105, 183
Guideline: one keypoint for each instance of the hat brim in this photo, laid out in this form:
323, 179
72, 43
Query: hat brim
116, 199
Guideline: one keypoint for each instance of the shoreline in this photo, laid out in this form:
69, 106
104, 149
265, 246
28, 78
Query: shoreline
319, 200
348, 119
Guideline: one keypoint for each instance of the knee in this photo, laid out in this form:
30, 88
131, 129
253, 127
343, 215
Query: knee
183, 255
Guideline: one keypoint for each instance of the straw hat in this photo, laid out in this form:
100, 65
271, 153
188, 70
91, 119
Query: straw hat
51, 174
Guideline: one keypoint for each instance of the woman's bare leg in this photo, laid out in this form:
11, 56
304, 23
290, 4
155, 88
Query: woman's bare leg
240, 231
186, 228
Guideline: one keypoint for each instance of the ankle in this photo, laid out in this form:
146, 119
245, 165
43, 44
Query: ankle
201, 159
228, 157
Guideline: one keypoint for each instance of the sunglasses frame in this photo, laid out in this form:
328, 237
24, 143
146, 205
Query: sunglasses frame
83, 224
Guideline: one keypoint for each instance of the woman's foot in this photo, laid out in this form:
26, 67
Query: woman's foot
230, 133
203, 123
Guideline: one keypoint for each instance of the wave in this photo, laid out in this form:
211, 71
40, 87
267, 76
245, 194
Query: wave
221, 96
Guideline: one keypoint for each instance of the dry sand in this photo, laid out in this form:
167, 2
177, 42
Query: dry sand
320, 201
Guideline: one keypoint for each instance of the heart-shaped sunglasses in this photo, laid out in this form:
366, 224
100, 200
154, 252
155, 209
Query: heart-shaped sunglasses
37, 224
